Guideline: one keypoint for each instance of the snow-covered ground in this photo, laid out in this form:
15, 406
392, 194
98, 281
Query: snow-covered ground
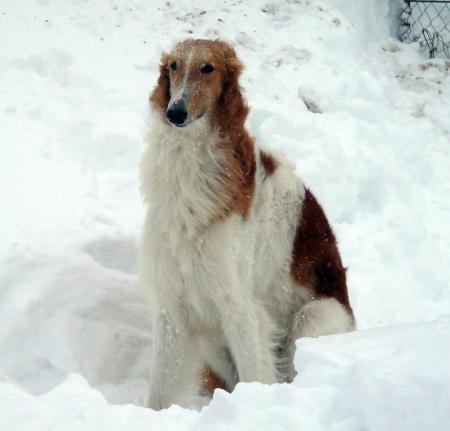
75, 337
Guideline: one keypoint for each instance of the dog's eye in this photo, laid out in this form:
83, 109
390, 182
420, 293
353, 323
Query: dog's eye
174, 65
207, 68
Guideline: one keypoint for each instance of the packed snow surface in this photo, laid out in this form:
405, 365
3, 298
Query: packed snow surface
365, 118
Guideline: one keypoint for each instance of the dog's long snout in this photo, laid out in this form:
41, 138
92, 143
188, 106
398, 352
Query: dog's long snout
177, 114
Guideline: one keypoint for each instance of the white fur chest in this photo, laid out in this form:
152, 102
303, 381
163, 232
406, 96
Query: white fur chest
180, 181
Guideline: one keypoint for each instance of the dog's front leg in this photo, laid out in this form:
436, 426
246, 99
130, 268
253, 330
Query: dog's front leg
169, 354
248, 333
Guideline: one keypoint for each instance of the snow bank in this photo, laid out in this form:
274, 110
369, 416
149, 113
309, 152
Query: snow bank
391, 378
374, 20
364, 118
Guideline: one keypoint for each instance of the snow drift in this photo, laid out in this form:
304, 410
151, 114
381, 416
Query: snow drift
371, 380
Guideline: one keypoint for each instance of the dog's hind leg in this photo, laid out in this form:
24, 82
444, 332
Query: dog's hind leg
323, 316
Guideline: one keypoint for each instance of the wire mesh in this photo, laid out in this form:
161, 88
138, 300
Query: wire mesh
427, 22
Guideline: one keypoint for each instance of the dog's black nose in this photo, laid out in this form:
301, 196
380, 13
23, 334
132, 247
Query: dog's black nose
177, 114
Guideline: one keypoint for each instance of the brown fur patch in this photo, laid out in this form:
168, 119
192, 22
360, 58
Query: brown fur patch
316, 262
160, 95
229, 118
268, 162
211, 381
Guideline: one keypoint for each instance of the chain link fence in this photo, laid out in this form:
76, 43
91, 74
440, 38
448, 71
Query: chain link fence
427, 22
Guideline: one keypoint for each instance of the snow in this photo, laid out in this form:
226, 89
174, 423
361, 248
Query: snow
75, 338
374, 379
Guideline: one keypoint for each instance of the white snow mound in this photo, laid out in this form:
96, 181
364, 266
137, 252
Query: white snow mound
374, 379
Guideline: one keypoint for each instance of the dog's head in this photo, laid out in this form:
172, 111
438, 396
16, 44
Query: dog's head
199, 77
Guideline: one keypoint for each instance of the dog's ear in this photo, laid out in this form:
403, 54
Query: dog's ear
232, 105
160, 95
228, 50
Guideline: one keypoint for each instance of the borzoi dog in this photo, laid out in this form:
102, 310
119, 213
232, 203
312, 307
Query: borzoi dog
237, 256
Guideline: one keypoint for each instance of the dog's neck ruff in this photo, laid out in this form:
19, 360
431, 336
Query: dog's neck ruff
181, 178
